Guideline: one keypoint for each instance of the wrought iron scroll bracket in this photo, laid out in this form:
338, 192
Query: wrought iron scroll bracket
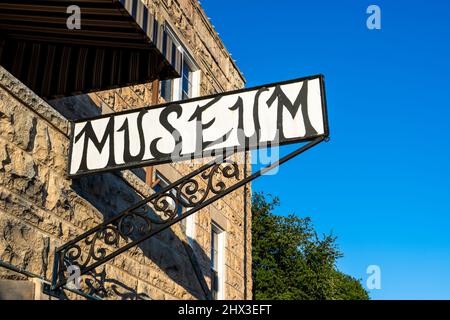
155, 213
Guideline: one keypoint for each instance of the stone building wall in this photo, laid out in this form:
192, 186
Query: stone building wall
41, 209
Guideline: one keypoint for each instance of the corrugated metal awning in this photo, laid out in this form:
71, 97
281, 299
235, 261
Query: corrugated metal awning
120, 43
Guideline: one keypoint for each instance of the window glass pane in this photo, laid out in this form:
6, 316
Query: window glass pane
174, 54
212, 250
157, 188
186, 81
166, 90
215, 284
164, 43
216, 250
180, 88
214, 262
186, 69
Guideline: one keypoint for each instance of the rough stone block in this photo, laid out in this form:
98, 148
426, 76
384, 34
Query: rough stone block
16, 290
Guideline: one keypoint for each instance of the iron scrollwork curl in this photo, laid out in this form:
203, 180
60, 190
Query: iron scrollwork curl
91, 248
188, 191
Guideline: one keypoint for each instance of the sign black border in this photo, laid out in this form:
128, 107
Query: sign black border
192, 156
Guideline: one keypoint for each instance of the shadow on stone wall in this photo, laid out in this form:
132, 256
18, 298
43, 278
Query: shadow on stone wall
111, 195
101, 286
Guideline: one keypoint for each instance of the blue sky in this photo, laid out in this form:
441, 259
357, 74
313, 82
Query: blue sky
382, 184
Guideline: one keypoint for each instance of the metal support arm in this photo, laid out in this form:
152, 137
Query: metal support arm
155, 214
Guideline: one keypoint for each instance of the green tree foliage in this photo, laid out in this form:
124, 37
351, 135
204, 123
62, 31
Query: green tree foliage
290, 261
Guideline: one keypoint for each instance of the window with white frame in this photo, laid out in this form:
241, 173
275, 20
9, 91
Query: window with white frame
187, 86
187, 224
217, 262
